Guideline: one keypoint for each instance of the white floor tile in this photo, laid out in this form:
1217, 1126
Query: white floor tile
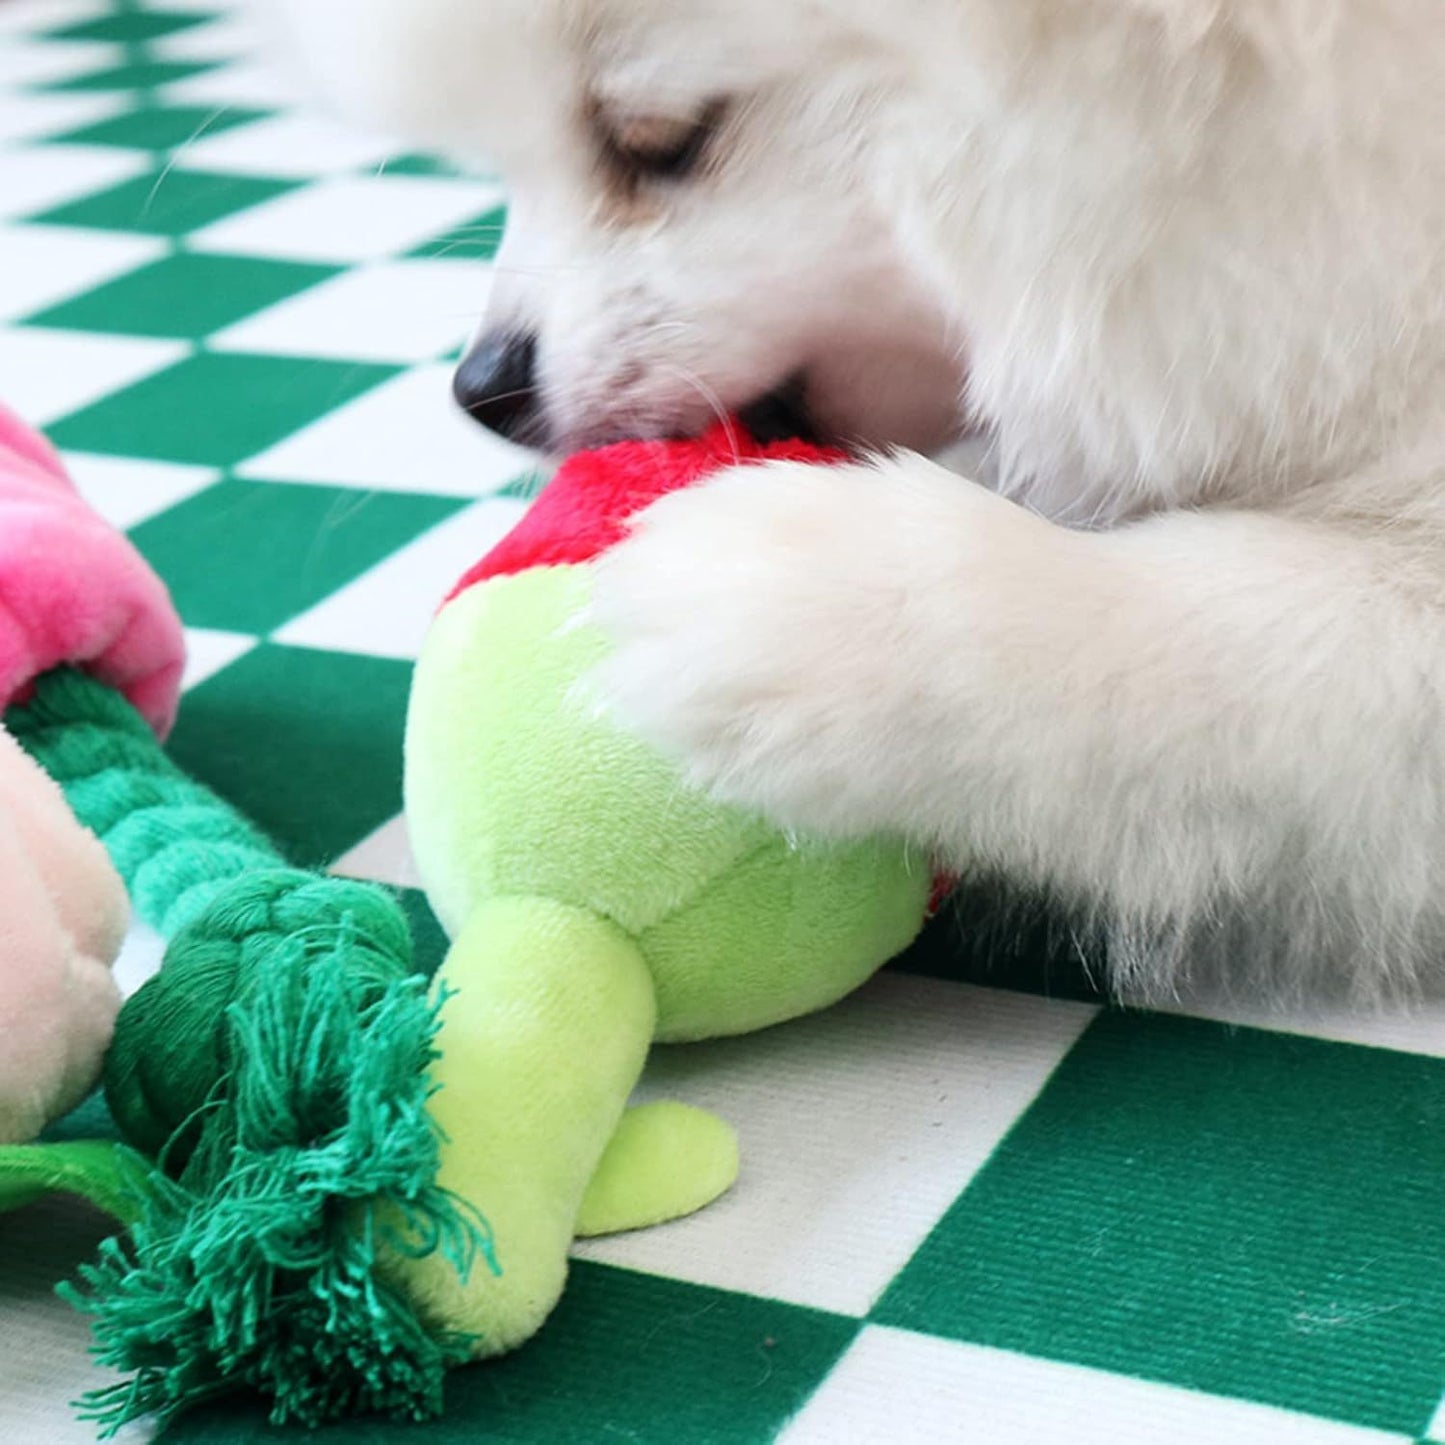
384, 857
406, 435
896, 1388
45, 375
27, 17
23, 116
227, 38
41, 177
403, 311
295, 145
40, 265
209, 650
1437, 1425
140, 957
859, 1127
35, 62
255, 83
358, 218
126, 491
46, 1360
386, 612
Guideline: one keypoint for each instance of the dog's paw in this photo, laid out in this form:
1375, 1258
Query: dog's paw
775, 630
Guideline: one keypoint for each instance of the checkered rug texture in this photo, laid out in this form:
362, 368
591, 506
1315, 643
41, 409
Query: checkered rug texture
975, 1205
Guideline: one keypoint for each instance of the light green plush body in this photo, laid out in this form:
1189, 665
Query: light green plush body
595, 905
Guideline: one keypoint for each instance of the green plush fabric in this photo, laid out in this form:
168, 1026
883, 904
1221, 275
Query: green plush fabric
595, 904
515, 788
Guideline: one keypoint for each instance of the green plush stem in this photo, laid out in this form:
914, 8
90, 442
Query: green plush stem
542, 1040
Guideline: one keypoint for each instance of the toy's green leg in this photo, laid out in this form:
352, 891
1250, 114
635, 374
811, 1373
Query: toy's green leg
544, 1035
665, 1160
94, 1169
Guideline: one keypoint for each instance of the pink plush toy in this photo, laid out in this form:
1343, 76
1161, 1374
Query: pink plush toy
72, 590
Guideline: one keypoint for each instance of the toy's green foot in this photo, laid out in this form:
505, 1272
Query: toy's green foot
665, 1160
95, 1169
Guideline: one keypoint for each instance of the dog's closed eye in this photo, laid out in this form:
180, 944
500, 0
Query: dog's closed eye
658, 147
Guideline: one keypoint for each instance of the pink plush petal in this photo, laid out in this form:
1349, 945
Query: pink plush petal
74, 590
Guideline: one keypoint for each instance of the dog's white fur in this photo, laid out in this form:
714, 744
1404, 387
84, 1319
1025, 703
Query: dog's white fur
1182, 662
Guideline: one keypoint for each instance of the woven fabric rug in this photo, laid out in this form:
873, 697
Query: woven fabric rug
975, 1205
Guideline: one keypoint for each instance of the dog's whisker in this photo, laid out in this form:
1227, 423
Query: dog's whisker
714, 403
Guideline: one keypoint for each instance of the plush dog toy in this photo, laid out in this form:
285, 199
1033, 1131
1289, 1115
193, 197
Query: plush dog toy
71, 590
360, 1184
594, 903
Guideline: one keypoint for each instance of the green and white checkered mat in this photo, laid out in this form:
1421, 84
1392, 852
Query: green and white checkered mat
974, 1206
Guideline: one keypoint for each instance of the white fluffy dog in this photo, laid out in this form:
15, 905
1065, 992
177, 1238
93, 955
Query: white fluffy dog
1179, 657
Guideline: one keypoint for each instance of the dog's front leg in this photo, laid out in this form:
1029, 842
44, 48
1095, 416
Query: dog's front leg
1189, 716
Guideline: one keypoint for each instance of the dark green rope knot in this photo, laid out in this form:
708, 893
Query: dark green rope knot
174, 1042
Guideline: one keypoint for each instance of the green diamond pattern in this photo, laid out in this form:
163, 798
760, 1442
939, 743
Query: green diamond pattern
246, 556
138, 74
216, 409
130, 26
186, 295
477, 240
161, 127
170, 202
1168, 1209
664, 1362
306, 742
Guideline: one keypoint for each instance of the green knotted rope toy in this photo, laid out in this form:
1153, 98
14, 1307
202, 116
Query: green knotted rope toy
277, 1069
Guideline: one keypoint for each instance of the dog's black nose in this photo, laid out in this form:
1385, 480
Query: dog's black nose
496, 383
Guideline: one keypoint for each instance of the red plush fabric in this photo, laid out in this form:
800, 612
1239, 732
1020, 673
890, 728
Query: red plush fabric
585, 508
944, 882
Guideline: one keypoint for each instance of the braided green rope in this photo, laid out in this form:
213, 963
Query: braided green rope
152, 818
276, 1067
